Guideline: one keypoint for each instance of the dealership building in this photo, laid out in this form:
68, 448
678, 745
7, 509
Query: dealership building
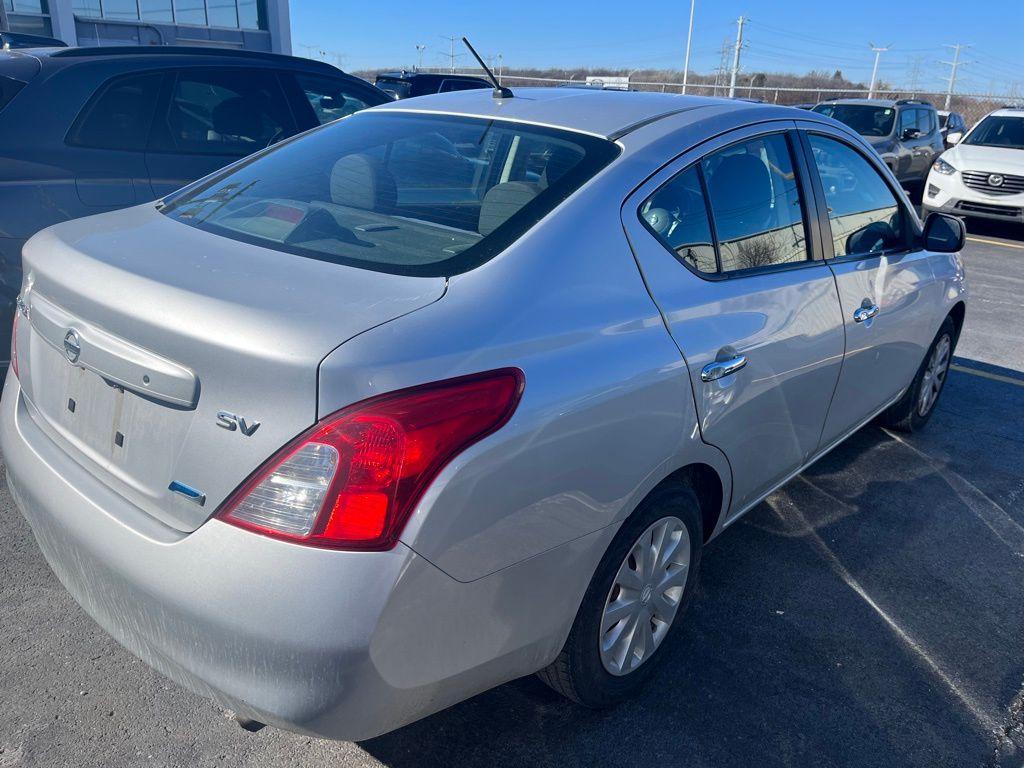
257, 25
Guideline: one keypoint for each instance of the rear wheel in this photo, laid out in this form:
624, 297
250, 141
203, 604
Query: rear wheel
913, 410
634, 602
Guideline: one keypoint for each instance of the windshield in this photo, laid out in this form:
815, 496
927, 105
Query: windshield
865, 119
398, 89
998, 131
397, 192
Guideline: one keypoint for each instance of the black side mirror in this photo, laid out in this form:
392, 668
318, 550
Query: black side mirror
910, 133
944, 233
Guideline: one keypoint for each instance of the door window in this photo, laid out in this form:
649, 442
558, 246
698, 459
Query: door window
863, 212
119, 116
678, 216
331, 99
224, 112
755, 204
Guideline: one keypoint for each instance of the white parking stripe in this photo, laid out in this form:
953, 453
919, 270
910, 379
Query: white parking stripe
986, 375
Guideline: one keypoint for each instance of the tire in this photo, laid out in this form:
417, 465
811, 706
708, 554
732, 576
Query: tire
912, 411
580, 672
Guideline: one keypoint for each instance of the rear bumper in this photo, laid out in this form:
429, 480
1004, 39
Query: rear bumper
343, 645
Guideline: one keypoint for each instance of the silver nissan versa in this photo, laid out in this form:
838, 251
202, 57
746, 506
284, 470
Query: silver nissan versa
456, 390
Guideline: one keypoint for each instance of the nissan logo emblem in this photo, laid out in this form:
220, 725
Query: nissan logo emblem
72, 346
996, 180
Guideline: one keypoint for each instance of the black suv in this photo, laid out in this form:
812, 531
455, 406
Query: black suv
87, 130
905, 132
404, 85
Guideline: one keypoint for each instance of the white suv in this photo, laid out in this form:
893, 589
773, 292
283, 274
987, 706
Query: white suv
983, 175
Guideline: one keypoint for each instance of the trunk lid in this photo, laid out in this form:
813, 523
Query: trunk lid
143, 333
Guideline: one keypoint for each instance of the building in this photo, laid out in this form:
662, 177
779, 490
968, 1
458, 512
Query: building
258, 25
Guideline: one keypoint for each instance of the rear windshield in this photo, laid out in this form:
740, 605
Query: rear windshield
865, 119
398, 89
405, 193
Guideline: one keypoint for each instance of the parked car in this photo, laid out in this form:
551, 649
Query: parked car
983, 175
11, 40
952, 126
905, 133
352, 431
405, 85
84, 130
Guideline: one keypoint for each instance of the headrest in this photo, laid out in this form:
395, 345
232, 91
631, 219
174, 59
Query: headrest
238, 117
741, 195
360, 181
502, 201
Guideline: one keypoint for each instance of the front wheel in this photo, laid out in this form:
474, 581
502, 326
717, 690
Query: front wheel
913, 410
634, 602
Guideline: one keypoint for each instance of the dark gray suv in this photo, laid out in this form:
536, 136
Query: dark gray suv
87, 130
904, 132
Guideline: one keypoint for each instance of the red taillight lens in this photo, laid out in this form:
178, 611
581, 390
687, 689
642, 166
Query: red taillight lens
352, 481
14, 343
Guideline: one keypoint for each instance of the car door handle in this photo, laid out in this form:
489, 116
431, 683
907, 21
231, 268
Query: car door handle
719, 368
865, 313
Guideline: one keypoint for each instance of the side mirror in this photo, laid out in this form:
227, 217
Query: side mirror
944, 233
910, 133
954, 137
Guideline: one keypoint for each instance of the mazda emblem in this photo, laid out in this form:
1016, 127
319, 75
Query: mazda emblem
996, 180
72, 346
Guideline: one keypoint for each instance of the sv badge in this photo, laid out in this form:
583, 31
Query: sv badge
231, 422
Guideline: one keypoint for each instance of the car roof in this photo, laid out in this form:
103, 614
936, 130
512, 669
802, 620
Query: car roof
1009, 112
604, 113
883, 102
403, 75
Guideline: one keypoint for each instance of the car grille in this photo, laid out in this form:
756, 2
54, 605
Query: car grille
981, 181
992, 210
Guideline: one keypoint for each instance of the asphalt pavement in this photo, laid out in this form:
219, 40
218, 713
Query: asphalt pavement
870, 613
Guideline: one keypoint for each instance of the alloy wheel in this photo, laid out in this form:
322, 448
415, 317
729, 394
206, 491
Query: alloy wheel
934, 375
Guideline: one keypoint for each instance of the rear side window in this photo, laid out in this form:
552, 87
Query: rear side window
9, 88
460, 85
863, 212
331, 98
397, 192
677, 215
224, 112
119, 115
755, 203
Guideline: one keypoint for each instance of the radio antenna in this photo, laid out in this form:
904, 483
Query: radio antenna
499, 92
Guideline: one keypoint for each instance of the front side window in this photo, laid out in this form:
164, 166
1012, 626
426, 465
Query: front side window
397, 192
331, 99
863, 212
755, 204
865, 119
120, 115
998, 131
224, 112
399, 89
908, 121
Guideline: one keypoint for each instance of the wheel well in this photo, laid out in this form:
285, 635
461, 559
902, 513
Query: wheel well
706, 484
958, 312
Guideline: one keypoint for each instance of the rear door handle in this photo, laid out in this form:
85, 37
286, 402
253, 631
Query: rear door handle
719, 368
865, 313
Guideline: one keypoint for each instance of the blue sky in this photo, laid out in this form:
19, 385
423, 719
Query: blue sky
793, 36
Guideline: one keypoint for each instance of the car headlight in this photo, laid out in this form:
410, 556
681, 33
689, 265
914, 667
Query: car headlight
941, 166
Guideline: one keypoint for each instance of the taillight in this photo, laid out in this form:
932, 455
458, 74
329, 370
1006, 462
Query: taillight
14, 343
352, 481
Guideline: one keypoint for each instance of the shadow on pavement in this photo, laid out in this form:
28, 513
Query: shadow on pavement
867, 614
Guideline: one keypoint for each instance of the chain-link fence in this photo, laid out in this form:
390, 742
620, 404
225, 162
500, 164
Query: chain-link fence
973, 106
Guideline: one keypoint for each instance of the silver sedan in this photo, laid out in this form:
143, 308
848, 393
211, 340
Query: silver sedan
457, 389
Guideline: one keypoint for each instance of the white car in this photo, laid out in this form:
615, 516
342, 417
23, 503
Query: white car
983, 175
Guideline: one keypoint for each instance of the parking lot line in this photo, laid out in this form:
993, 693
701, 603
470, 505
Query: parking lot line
987, 375
995, 242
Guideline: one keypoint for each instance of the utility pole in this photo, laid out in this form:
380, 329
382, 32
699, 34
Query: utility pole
501, 64
955, 64
419, 52
736, 56
3, 18
915, 74
879, 50
451, 51
723, 63
689, 37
